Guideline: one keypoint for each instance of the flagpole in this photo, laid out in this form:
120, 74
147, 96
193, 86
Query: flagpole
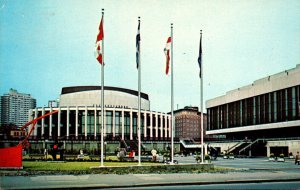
102, 96
172, 98
139, 101
201, 100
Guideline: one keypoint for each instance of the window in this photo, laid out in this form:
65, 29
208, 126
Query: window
126, 123
294, 103
108, 122
118, 123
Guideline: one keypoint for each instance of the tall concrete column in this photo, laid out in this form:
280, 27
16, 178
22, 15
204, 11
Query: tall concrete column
43, 122
151, 125
145, 124
104, 125
68, 122
76, 122
166, 125
36, 126
95, 122
30, 118
58, 122
268, 150
131, 130
161, 126
50, 123
85, 121
156, 125
123, 124
114, 123
170, 126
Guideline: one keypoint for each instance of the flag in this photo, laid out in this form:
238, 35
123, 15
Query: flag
167, 53
200, 56
138, 39
99, 39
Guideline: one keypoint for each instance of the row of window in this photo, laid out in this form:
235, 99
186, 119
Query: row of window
277, 106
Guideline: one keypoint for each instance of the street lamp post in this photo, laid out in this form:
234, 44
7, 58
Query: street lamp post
105, 143
46, 149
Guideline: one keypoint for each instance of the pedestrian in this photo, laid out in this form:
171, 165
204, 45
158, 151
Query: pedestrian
297, 158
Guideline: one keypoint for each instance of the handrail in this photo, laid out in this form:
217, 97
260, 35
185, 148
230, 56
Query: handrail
232, 148
249, 145
189, 145
268, 139
225, 141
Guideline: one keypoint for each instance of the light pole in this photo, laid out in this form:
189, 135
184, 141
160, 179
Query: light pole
46, 149
105, 143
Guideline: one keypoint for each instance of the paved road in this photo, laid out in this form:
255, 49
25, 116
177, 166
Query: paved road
133, 180
247, 163
260, 171
271, 185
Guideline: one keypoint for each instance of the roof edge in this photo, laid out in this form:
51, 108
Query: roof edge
73, 89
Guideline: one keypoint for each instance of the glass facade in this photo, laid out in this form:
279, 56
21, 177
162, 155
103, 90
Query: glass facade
88, 125
278, 106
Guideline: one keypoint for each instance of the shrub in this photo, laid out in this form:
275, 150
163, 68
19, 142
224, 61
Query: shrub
281, 155
272, 155
207, 157
198, 158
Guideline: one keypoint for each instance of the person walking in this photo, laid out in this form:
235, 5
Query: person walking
297, 159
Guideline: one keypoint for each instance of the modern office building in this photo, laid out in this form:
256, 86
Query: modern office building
79, 118
266, 112
15, 108
187, 123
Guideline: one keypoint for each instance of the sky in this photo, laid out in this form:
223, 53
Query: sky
49, 44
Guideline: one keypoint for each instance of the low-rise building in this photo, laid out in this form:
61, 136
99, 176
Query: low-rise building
264, 116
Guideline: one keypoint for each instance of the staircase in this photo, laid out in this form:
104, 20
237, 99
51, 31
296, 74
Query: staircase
234, 146
189, 144
237, 147
257, 144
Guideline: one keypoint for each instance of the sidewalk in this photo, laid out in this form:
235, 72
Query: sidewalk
131, 180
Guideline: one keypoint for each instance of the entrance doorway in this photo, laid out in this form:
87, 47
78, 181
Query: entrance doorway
277, 150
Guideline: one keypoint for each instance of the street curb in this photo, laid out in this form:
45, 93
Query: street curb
220, 182
180, 183
272, 169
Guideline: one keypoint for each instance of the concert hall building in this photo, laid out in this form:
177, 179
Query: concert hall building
79, 119
264, 114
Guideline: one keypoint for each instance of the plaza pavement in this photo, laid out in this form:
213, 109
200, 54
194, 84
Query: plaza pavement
249, 171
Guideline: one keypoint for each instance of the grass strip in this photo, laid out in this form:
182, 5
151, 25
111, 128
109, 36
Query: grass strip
120, 168
70, 166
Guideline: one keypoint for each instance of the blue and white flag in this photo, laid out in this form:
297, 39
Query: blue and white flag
138, 39
200, 56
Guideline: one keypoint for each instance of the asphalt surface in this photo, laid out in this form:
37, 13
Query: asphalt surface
229, 186
251, 171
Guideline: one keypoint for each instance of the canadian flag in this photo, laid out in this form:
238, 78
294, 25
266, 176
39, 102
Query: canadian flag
167, 53
99, 39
